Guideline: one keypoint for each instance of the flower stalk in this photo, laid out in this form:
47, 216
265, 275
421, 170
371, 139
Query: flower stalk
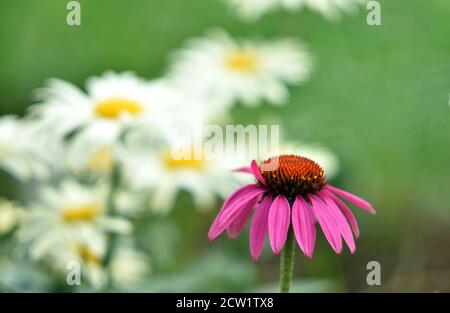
287, 262
112, 237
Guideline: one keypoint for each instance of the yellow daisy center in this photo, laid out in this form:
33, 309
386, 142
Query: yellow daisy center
114, 107
242, 61
89, 256
81, 213
102, 161
176, 164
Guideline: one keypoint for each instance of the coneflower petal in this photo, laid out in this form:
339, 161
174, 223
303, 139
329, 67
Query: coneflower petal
327, 224
279, 222
238, 194
340, 220
255, 169
259, 227
346, 211
236, 227
360, 203
303, 224
216, 229
244, 169
232, 211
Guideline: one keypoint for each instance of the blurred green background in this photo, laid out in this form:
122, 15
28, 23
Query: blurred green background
379, 98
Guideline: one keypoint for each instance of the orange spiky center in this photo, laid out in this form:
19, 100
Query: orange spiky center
292, 175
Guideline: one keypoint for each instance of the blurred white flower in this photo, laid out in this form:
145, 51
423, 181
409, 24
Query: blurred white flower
221, 68
330, 9
158, 171
114, 104
253, 9
67, 213
129, 266
16, 275
96, 161
88, 254
9, 216
126, 267
23, 152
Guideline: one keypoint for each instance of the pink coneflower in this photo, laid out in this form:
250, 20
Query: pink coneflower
289, 189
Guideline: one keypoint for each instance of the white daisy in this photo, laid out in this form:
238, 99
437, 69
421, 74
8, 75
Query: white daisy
23, 152
330, 9
114, 103
97, 161
9, 216
88, 253
227, 70
127, 266
165, 175
68, 212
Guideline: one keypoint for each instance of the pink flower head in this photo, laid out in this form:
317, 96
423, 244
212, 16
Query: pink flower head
289, 189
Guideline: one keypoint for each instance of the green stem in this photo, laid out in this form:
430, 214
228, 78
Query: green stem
287, 262
112, 237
